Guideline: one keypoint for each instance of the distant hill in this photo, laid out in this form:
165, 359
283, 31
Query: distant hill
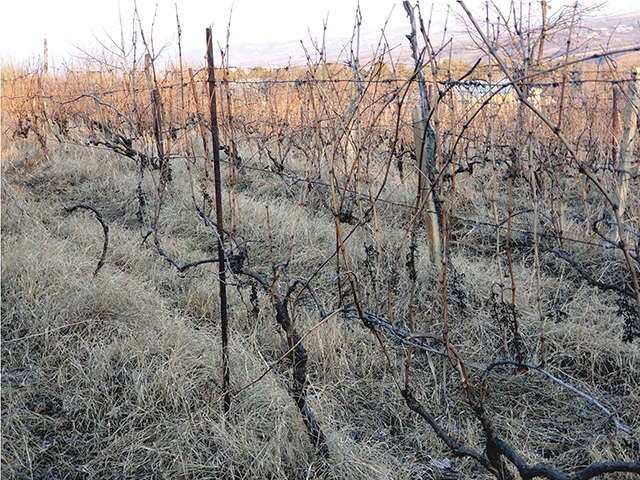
593, 35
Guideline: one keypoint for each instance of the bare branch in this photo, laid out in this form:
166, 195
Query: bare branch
105, 229
588, 398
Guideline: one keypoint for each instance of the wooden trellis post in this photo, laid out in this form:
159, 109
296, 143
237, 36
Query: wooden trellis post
627, 146
425, 142
424, 150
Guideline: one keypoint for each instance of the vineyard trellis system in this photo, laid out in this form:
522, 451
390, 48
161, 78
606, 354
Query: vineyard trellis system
558, 163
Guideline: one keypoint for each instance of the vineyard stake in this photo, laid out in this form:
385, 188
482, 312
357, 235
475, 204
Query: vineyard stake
218, 188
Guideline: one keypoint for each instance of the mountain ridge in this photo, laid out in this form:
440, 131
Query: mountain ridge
609, 32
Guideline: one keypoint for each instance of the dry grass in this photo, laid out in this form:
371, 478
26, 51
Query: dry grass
117, 375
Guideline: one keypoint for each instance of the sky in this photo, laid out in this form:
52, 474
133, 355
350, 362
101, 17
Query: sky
68, 24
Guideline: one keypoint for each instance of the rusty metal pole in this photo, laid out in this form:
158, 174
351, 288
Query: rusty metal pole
218, 189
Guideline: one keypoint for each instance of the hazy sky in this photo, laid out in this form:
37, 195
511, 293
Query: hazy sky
68, 23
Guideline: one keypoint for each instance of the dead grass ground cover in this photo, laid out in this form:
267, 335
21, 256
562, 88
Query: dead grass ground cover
117, 375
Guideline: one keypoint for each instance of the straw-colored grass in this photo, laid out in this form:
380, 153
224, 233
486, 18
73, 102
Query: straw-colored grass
118, 375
